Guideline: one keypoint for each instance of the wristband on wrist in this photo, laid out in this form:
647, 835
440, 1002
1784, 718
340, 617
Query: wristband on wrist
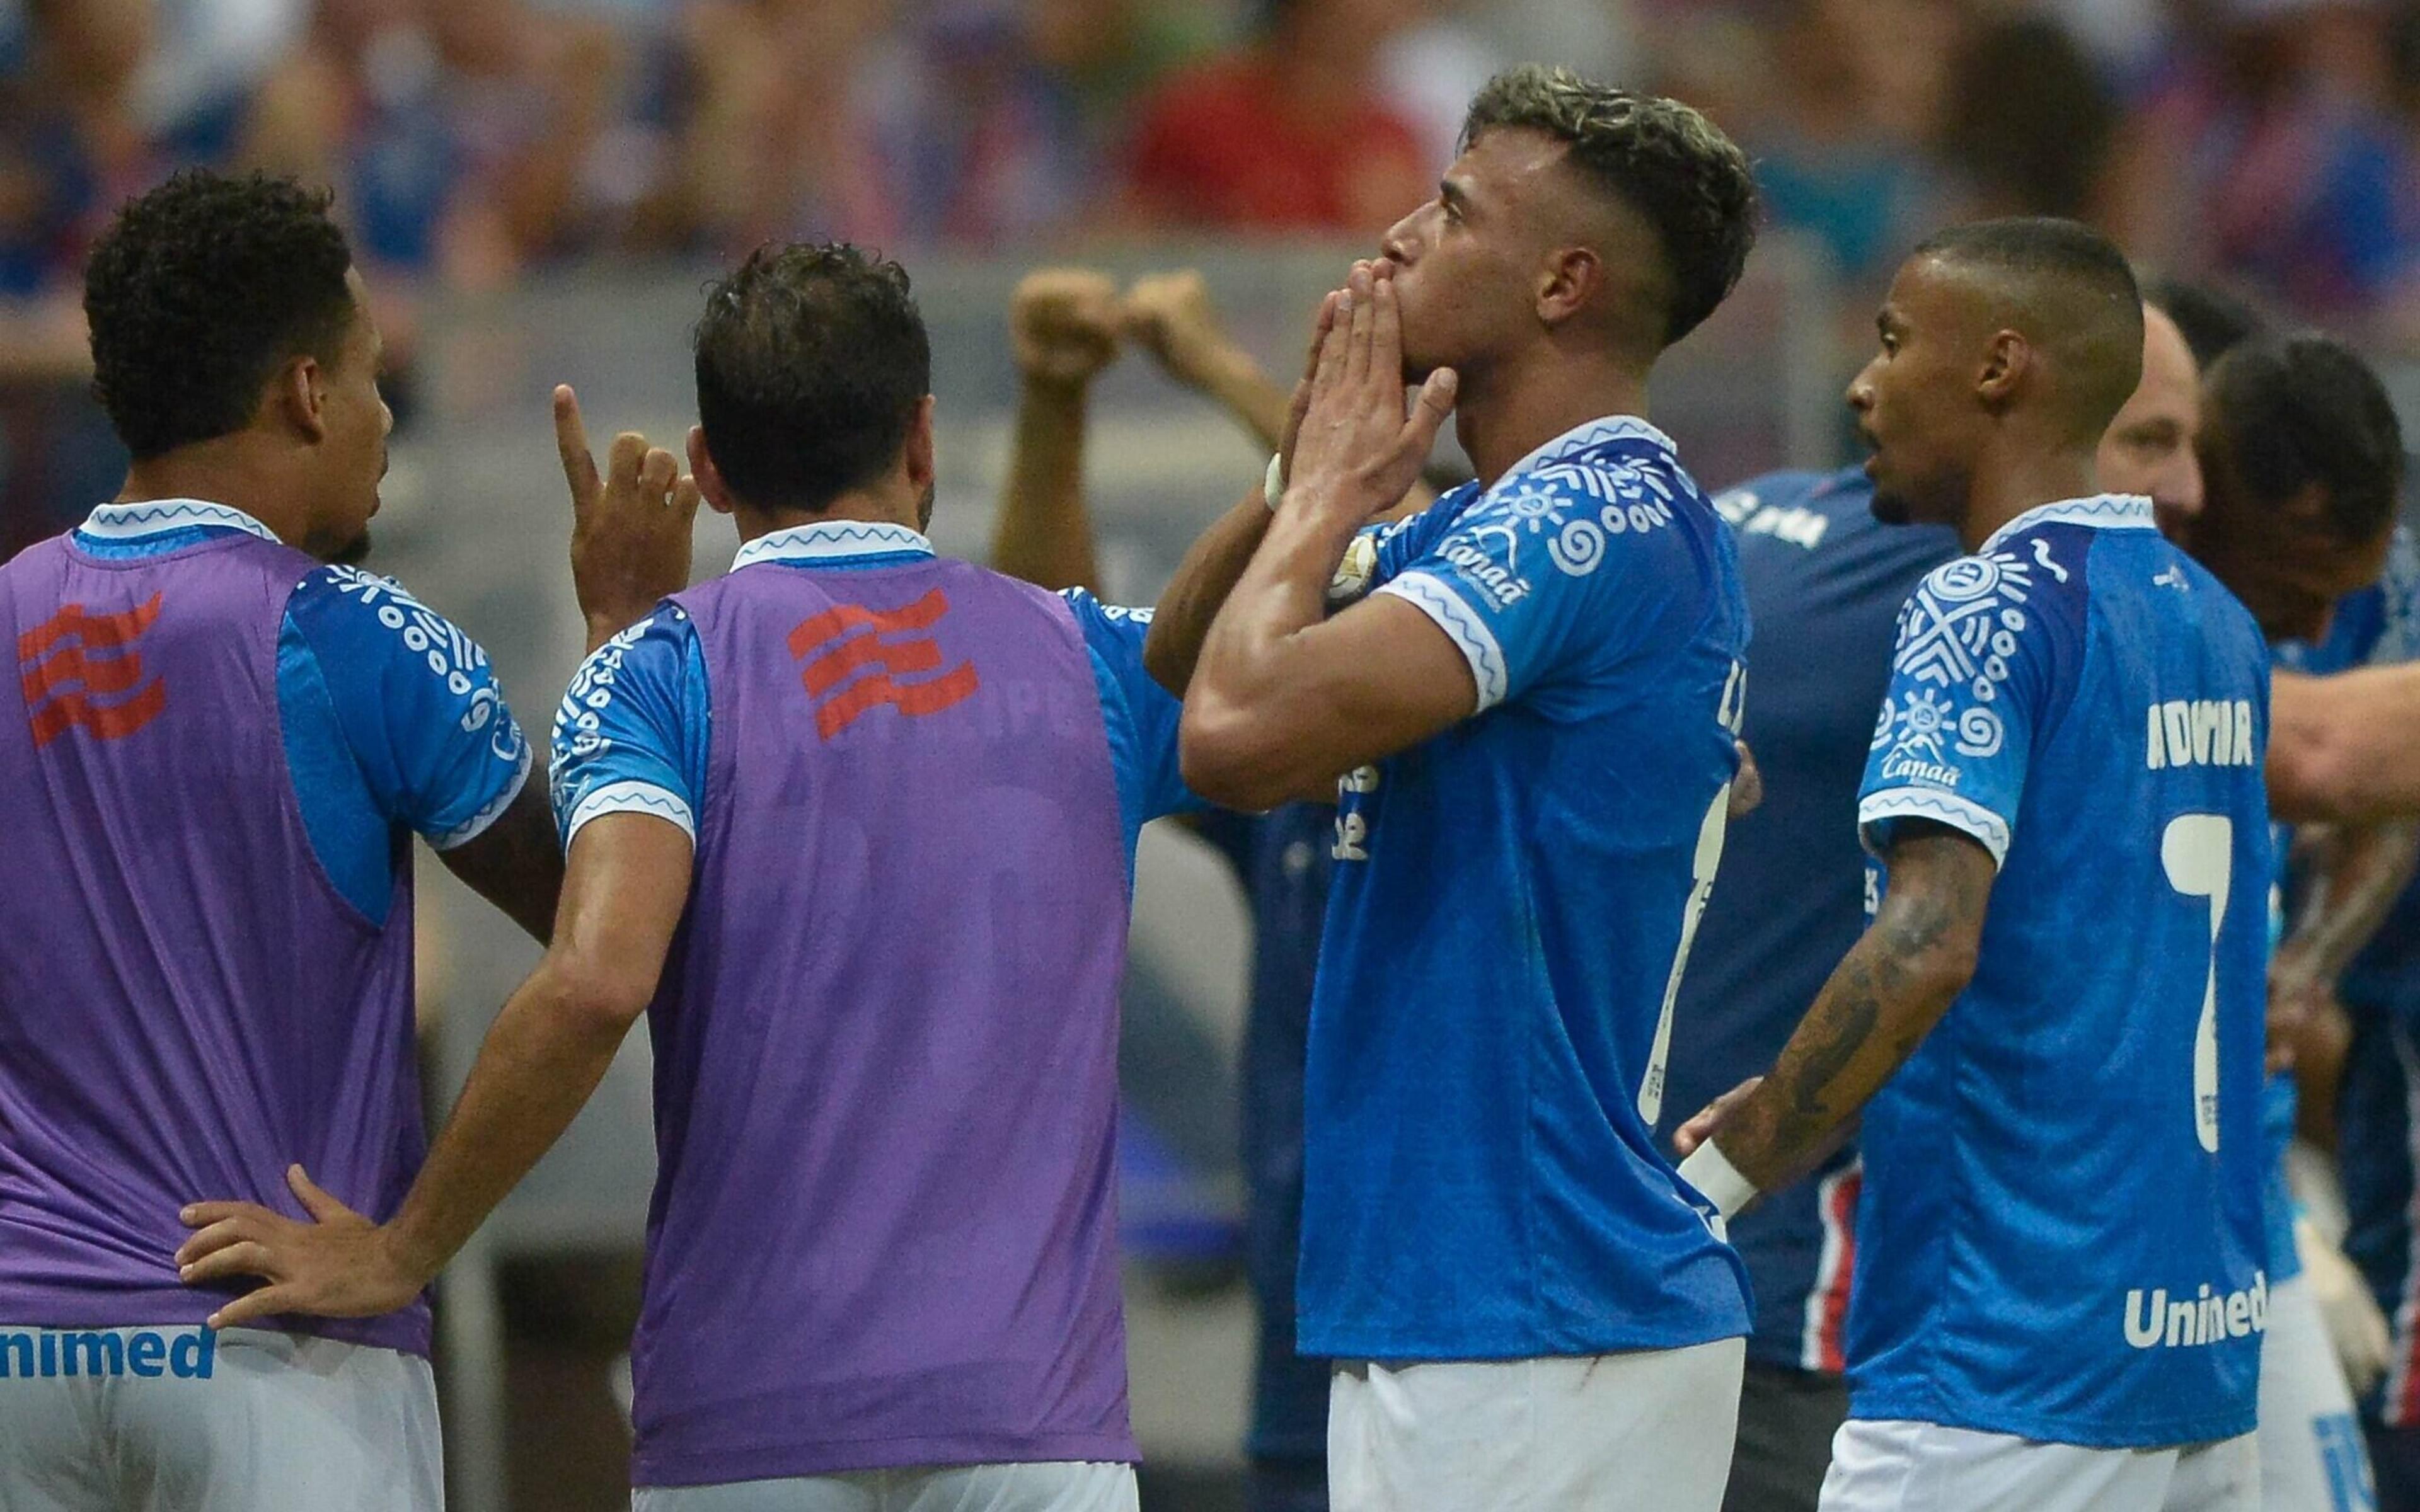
1273, 483
1717, 1180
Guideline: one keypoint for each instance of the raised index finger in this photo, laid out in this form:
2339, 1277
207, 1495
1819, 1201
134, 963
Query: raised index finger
571, 444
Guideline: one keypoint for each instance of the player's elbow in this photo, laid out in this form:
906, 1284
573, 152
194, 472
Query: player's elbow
1228, 757
602, 997
2312, 777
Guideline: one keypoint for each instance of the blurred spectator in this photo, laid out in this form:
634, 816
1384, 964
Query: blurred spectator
1291, 133
2269, 151
2027, 122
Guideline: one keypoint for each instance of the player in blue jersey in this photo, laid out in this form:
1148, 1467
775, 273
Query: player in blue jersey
2303, 460
1826, 580
2061, 1287
1534, 709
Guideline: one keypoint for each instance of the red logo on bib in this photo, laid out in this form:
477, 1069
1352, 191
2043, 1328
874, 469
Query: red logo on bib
75, 660
855, 639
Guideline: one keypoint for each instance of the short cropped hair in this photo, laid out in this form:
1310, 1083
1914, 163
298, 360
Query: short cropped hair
1658, 156
195, 294
811, 362
2214, 321
2286, 413
2072, 293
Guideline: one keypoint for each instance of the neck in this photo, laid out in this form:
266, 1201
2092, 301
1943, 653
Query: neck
886, 503
224, 471
1502, 416
2026, 477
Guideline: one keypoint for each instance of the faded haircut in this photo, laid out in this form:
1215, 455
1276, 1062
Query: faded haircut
2072, 293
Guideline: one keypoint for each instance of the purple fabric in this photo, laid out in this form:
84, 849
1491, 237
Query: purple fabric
883, 1228
186, 1004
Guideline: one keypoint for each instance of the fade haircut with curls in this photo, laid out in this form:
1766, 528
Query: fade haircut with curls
195, 295
2071, 293
2284, 414
1658, 156
811, 362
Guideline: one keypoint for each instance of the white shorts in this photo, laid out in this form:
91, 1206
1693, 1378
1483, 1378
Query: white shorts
2312, 1457
1880, 1465
175, 1419
1049, 1486
1591, 1433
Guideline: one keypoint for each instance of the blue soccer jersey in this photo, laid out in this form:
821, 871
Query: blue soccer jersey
1511, 910
1824, 581
2062, 1226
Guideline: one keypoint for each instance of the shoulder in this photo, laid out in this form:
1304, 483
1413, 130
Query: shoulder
369, 631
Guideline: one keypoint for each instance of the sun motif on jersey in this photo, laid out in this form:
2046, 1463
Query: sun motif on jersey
1959, 633
1577, 507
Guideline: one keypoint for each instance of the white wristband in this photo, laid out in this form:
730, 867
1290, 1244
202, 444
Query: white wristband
1273, 483
1712, 1173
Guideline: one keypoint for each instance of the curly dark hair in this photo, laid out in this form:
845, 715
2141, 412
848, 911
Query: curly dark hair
811, 361
2283, 413
195, 294
1659, 156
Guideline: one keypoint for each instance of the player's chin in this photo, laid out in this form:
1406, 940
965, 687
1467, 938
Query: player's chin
353, 552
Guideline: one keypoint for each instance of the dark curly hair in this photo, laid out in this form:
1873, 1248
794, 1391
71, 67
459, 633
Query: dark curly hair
811, 361
2285, 414
195, 294
1659, 156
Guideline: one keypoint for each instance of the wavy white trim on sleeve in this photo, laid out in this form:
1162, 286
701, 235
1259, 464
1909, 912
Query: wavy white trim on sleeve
1434, 598
476, 826
631, 798
1959, 814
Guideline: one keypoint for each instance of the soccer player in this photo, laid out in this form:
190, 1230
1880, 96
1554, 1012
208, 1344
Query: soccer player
1533, 715
2304, 463
212, 755
853, 826
2060, 1287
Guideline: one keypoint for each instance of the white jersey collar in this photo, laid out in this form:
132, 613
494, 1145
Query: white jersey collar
2104, 512
1592, 433
833, 540
151, 517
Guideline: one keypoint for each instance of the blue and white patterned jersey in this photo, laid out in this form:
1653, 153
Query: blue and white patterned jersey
391, 714
1510, 909
2062, 1227
633, 730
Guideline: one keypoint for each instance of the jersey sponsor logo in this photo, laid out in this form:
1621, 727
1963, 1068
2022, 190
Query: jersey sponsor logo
2199, 732
188, 1354
1352, 825
2155, 1320
75, 659
1498, 584
847, 639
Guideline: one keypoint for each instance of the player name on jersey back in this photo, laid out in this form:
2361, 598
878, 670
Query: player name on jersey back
2200, 733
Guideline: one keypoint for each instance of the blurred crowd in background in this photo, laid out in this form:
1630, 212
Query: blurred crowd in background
2273, 145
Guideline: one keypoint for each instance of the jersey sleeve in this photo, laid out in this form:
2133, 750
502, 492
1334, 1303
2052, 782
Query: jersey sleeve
1536, 577
416, 702
2398, 636
1142, 717
630, 735
1980, 657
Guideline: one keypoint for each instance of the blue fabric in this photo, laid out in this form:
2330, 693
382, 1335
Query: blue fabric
2076, 1147
391, 716
636, 714
1824, 581
1281, 859
1507, 911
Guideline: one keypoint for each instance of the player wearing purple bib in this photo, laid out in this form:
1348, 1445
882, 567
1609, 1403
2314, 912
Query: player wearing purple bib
212, 756
852, 825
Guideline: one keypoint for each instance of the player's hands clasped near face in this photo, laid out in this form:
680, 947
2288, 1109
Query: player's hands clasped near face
1062, 324
338, 1264
630, 527
1354, 450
